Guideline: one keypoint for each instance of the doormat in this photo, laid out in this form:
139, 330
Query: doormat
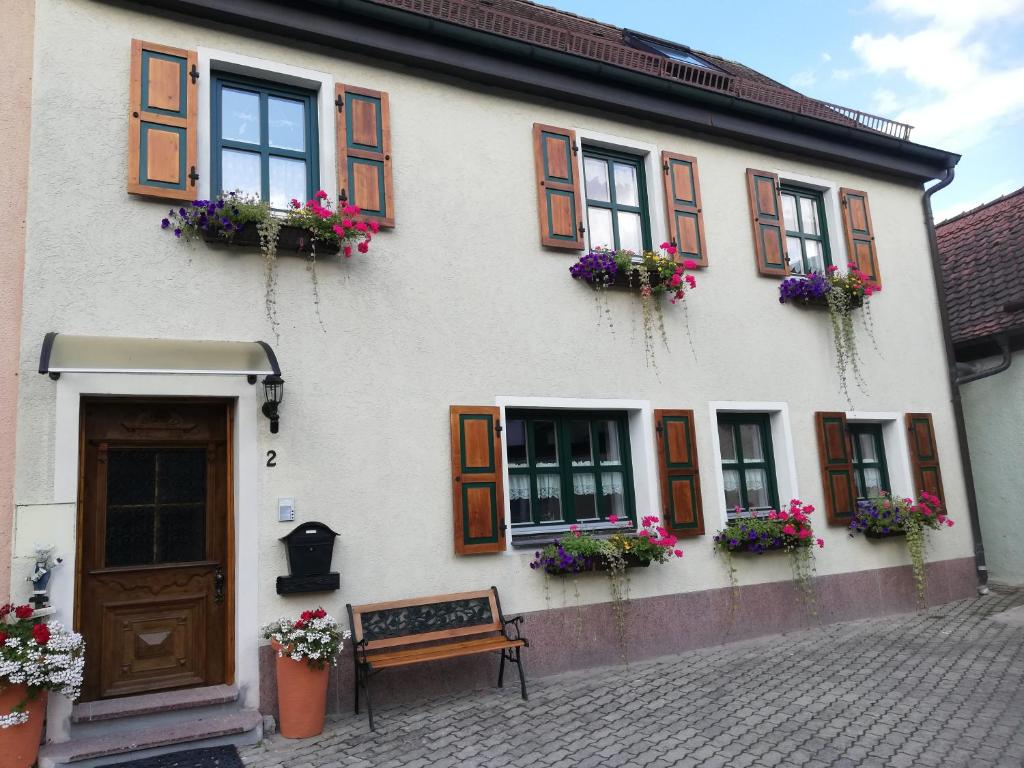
214, 757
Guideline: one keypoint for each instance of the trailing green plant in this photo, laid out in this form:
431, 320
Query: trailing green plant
788, 530
889, 515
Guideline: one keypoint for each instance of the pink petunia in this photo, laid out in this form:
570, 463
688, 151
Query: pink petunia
804, 533
789, 530
821, 543
690, 264
347, 251
321, 194
363, 247
678, 553
613, 519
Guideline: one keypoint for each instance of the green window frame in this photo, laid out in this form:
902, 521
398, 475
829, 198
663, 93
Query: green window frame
549, 464
803, 211
869, 458
740, 465
267, 151
613, 209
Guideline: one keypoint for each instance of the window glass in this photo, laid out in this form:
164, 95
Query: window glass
240, 115
751, 440
287, 181
240, 171
566, 467
748, 467
806, 234
596, 171
600, 222
809, 216
287, 123
630, 232
626, 190
789, 215
869, 467
617, 215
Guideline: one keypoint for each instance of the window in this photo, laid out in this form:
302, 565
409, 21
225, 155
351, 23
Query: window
748, 465
673, 51
869, 469
568, 467
803, 211
264, 140
616, 191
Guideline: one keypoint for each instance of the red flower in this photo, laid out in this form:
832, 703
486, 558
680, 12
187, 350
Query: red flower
23, 611
6, 609
319, 613
3, 638
41, 633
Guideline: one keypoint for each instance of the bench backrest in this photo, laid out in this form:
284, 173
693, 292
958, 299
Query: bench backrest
426, 619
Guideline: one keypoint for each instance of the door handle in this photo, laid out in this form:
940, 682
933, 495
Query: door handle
218, 585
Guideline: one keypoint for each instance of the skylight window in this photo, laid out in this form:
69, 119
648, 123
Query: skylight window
670, 50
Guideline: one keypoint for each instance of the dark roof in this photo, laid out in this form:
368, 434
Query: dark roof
982, 254
547, 27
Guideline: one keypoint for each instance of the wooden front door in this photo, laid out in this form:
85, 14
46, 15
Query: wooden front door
154, 576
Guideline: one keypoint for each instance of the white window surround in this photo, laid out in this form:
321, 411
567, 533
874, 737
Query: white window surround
70, 389
640, 419
211, 59
894, 441
652, 170
833, 215
782, 448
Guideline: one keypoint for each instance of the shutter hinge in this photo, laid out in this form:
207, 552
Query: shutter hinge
498, 427
575, 149
581, 229
664, 166
340, 101
194, 74
659, 429
193, 176
342, 197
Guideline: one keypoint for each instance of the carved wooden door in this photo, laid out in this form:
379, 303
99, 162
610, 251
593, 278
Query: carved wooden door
154, 598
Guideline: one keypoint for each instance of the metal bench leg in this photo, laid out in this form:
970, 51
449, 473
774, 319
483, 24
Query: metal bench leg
358, 683
522, 676
501, 670
369, 704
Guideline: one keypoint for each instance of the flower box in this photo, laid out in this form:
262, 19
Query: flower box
290, 239
630, 279
600, 563
891, 533
856, 301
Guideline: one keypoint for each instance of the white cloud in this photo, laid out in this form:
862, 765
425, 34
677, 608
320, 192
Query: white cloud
885, 101
948, 58
842, 74
826, 57
802, 80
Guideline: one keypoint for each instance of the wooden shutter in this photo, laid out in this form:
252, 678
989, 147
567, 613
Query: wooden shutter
558, 187
837, 478
680, 475
769, 228
682, 203
363, 129
924, 455
479, 499
162, 120
860, 236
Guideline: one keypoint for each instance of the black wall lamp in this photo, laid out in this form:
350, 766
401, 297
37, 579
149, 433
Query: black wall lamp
273, 390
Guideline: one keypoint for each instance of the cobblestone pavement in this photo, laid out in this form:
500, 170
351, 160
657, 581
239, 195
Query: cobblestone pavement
941, 688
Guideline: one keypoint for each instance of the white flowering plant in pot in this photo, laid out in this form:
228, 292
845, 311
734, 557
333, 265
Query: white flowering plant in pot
37, 656
314, 637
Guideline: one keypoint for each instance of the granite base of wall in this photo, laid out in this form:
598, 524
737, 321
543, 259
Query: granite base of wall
564, 639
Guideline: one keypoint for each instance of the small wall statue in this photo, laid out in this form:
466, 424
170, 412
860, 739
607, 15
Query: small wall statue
41, 573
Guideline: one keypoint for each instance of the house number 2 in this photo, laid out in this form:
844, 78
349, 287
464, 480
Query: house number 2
271, 458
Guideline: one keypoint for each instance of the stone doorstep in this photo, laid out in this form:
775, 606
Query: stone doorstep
153, 703
182, 735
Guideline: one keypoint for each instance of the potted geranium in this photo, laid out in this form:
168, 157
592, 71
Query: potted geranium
841, 293
306, 648
788, 530
35, 658
889, 516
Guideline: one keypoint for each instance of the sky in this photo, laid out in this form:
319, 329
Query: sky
954, 69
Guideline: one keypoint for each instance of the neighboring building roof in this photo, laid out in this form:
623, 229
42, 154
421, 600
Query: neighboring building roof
560, 30
982, 254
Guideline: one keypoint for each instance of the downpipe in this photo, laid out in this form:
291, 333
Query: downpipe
958, 409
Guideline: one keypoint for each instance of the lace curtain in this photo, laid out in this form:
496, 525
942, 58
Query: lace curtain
550, 486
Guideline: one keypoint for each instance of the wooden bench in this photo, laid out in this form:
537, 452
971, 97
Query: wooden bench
404, 632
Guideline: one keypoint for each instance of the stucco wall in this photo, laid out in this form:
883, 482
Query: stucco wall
458, 305
16, 96
993, 410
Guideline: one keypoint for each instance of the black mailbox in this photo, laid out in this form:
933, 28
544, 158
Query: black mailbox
310, 548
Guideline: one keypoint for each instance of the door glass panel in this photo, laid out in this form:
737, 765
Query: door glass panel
608, 442
579, 439
286, 121
789, 217
519, 496
600, 222
809, 216
287, 181
626, 191
613, 495
156, 506
545, 444
584, 497
240, 171
630, 237
240, 115
549, 498
867, 447
815, 256
515, 438
750, 440
733, 499
596, 172
757, 487
727, 442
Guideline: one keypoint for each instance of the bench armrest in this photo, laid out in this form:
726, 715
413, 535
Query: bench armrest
513, 625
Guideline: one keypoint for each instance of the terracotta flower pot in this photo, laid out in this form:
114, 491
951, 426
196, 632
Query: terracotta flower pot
301, 697
19, 744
